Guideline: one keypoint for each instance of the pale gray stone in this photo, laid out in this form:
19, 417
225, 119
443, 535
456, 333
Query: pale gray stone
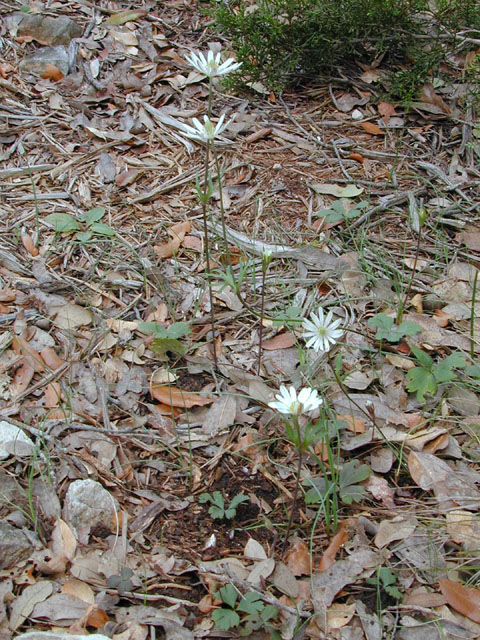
86, 505
14, 546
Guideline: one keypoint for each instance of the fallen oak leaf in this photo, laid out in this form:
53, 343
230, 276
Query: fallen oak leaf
175, 397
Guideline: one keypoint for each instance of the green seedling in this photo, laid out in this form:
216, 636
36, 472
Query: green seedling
66, 223
167, 339
388, 330
291, 316
386, 580
258, 614
338, 211
346, 486
218, 510
425, 378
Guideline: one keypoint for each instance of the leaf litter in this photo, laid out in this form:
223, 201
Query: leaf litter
109, 434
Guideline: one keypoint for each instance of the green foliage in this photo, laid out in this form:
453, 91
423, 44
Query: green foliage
283, 42
167, 339
218, 510
386, 579
425, 378
66, 223
338, 212
346, 486
291, 315
388, 330
258, 614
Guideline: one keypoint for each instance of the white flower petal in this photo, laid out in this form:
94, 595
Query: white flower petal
321, 332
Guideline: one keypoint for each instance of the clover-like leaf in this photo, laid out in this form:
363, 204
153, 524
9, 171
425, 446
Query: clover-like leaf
421, 381
231, 512
444, 370
225, 619
250, 603
227, 594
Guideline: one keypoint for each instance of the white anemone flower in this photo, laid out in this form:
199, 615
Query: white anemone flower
321, 332
211, 65
288, 402
205, 132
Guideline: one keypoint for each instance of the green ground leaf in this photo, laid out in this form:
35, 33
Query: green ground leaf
84, 236
227, 594
250, 603
231, 512
94, 215
421, 381
102, 229
388, 330
225, 619
423, 358
63, 222
164, 345
444, 370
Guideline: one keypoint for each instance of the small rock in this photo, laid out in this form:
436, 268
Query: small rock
13, 441
14, 546
463, 401
87, 505
41, 61
44, 29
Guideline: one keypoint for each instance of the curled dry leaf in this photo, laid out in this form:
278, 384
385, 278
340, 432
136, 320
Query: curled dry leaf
177, 231
29, 245
298, 560
330, 552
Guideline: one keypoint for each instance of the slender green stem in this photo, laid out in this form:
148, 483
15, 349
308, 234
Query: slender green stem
260, 328
297, 483
472, 317
207, 252
220, 201
414, 271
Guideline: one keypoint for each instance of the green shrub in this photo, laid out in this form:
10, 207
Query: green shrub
284, 42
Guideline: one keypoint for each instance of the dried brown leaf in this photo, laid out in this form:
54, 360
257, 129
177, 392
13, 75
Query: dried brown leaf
175, 397
465, 600
328, 557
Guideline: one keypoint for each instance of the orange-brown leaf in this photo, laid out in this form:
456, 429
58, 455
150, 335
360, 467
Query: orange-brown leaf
52, 395
52, 72
176, 397
357, 157
429, 96
30, 356
51, 359
282, 341
372, 128
330, 552
298, 560
23, 377
29, 245
465, 600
